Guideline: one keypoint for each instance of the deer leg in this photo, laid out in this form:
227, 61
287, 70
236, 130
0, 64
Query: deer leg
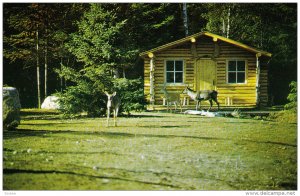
108, 114
180, 104
197, 102
210, 101
175, 103
216, 101
116, 116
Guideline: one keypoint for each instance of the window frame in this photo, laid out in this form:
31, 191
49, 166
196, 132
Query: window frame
174, 83
236, 71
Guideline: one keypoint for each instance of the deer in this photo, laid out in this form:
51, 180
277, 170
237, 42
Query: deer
114, 103
172, 98
199, 96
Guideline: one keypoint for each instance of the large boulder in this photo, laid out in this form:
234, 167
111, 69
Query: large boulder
11, 108
51, 102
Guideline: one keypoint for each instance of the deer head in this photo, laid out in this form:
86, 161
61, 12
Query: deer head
186, 88
110, 98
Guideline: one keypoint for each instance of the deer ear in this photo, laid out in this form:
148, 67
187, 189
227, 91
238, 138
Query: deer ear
114, 94
106, 93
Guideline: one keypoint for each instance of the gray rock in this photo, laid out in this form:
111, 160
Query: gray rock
11, 108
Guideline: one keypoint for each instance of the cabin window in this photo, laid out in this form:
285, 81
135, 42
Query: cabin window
236, 72
174, 71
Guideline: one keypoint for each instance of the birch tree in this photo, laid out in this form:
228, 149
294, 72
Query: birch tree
185, 19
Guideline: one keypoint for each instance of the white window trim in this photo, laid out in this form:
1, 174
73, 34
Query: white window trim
183, 72
246, 71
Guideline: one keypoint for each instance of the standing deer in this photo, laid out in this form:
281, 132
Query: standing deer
114, 103
172, 98
199, 96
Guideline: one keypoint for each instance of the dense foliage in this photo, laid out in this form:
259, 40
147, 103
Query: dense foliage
292, 98
132, 94
85, 95
102, 41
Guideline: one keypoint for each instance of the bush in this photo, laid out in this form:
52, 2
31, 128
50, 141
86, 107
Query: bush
86, 93
84, 97
75, 100
131, 93
292, 98
289, 114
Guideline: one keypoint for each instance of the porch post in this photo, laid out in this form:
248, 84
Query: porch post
193, 47
257, 79
152, 67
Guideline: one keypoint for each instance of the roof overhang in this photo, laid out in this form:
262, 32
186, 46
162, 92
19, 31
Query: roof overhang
215, 37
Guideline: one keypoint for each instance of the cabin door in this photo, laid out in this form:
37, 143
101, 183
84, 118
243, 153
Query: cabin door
206, 75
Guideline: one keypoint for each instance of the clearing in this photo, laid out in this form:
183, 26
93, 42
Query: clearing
149, 151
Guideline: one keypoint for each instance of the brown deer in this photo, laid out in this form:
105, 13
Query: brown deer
114, 103
198, 96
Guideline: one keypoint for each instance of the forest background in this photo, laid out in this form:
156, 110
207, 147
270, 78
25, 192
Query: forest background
67, 47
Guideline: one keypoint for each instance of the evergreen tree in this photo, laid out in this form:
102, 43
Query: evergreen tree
98, 45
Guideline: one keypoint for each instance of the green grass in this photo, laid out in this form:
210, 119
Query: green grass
150, 151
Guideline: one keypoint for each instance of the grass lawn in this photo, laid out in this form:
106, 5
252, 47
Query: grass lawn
149, 151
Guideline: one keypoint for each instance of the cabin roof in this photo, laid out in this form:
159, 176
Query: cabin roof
208, 34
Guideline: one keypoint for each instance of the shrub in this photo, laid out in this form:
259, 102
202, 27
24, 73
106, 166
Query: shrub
289, 114
131, 93
86, 93
292, 98
85, 96
75, 100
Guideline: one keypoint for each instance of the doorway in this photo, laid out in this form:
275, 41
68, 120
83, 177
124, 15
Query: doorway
206, 75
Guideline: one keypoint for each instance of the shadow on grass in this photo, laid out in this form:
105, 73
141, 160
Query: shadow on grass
164, 126
26, 132
55, 115
40, 133
14, 171
23, 133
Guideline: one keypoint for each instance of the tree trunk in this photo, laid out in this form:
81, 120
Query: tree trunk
124, 73
261, 32
228, 22
116, 73
46, 58
46, 67
185, 20
223, 27
38, 69
61, 78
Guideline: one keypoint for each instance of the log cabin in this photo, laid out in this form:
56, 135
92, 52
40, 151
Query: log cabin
206, 61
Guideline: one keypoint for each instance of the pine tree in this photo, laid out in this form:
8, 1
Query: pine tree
99, 47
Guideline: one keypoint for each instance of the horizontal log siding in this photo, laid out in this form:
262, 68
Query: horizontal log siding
242, 94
